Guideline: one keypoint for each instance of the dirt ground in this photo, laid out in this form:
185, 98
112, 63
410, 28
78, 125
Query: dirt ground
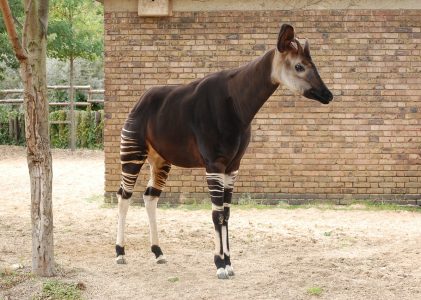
277, 253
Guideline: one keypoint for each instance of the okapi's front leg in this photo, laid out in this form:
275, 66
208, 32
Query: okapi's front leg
216, 189
228, 188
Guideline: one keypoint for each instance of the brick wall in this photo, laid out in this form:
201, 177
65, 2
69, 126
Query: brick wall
365, 145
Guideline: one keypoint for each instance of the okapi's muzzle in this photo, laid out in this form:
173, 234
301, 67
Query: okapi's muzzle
322, 95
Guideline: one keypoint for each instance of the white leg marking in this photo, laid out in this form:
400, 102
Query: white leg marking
218, 244
217, 208
221, 273
161, 259
150, 205
229, 270
224, 240
230, 179
123, 207
121, 260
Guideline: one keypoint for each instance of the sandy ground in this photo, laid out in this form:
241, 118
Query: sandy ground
276, 253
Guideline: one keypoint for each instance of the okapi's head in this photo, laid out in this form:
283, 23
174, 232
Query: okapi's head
293, 67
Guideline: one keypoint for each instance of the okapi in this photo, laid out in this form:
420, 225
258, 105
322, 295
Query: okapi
206, 123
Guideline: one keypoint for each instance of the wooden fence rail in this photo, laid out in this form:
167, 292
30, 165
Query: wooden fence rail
90, 92
15, 126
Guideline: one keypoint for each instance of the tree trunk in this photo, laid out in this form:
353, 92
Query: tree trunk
72, 107
33, 73
37, 137
31, 54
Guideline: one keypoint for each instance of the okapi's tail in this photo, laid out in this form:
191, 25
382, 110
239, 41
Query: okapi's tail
133, 154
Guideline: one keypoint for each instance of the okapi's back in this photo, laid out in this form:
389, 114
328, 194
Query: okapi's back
150, 101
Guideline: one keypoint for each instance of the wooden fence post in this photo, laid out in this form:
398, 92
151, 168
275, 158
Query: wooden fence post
72, 109
22, 128
97, 118
11, 128
16, 128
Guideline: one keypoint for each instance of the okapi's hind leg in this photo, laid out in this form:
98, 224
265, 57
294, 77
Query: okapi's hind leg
159, 174
133, 156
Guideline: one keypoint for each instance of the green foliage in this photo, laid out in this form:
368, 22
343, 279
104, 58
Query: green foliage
173, 279
56, 290
205, 204
81, 97
380, 205
6, 113
10, 278
315, 291
58, 96
7, 56
59, 133
75, 29
89, 132
85, 72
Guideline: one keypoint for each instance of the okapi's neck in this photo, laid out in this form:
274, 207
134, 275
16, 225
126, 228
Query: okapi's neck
251, 86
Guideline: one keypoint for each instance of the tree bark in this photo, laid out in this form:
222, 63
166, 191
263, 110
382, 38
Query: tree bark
33, 73
37, 137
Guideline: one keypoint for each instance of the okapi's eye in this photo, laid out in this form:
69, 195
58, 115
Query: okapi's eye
299, 68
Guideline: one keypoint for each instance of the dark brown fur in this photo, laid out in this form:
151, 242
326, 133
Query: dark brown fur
205, 123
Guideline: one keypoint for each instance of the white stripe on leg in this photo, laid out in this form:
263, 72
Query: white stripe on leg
217, 208
123, 207
230, 179
150, 205
225, 240
218, 244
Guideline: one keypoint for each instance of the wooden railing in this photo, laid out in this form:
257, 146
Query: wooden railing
89, 91
71, 104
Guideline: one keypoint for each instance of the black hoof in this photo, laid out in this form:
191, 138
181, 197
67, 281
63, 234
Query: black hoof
157, 251
119, 250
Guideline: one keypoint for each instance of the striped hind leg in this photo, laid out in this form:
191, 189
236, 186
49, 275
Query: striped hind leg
133, 156
159, 173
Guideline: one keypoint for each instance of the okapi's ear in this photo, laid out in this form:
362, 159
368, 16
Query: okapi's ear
286, 36
307, 50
